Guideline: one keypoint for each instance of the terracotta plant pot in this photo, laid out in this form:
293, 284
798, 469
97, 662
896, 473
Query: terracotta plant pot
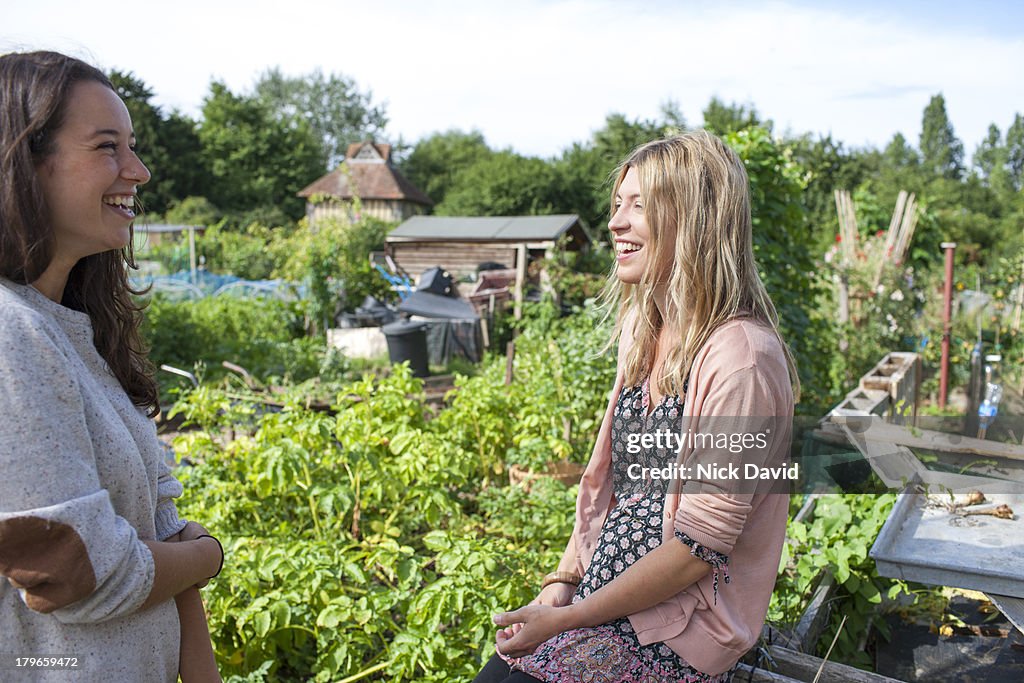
568, 473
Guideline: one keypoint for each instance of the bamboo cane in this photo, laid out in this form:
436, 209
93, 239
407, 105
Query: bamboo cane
851, 224
845, 260
1020, 300
847, 225
890, 251
895, 222
909, 224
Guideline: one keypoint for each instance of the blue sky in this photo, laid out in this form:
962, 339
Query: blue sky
537, 75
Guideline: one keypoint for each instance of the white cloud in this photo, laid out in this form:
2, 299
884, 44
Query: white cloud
538, 75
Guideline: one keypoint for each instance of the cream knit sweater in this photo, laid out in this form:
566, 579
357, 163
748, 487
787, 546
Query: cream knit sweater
82, 482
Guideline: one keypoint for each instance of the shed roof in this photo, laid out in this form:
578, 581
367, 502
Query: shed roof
372, 174
484, 228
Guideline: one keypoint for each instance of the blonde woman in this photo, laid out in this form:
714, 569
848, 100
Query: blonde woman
668, 578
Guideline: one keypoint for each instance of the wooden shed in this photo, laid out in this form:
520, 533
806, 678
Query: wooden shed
367, 173
461, 243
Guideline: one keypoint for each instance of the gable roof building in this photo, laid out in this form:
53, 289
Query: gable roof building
367, 173
461, 243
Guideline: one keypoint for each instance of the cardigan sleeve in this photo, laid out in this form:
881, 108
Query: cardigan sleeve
735, 431
62, 545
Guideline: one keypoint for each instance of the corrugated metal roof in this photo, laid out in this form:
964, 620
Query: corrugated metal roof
485, 228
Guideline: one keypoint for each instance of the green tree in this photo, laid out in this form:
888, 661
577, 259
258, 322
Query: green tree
989, 157
185, 167
168, 145
721, 118
332, 262
193, 211
1015, 152
437, 159
899, 154
897, 167
619, 136
829, 165
257, 159
783, 246
332, 105
501, 184
942, 154
584, 171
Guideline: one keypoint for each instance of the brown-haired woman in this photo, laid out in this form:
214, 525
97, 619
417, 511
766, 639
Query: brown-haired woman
99, 568
637, 595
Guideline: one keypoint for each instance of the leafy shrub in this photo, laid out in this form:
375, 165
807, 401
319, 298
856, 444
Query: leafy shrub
837, 540
561, 382
333, 260
253, 253
783, 247
265, 336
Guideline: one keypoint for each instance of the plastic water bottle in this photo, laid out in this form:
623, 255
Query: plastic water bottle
990, 406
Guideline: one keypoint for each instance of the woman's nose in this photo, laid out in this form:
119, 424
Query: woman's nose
617, 221
136, 171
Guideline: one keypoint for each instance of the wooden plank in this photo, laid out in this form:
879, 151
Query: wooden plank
1012, 609
459, 258
802, 667
746, 672
814, 619
907, 229
521, 259
941, 441
510, 357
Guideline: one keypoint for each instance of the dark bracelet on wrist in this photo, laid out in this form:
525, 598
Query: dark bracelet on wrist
221, 565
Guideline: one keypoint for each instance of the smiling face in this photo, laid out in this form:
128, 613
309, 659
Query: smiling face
89, 180
630, 234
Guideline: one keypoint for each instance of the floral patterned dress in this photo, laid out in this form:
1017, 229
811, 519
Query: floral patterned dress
611, 653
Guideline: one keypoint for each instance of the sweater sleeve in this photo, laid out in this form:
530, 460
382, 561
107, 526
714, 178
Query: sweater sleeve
734, 432
167, 489
62, 545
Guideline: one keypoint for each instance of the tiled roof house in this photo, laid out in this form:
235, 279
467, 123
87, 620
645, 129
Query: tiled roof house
366, 172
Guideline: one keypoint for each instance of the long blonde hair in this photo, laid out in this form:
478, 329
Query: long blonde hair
696, 198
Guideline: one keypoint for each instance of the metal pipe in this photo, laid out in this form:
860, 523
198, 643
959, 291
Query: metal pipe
947, 311
192, 252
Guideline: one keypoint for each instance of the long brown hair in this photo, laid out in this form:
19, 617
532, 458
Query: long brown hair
697, 203
34, 93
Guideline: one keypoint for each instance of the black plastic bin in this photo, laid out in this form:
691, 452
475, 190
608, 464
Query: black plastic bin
407, 341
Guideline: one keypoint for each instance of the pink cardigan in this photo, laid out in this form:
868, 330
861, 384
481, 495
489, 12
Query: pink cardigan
741, 371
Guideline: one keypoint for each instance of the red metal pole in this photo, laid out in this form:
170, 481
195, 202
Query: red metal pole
947, 310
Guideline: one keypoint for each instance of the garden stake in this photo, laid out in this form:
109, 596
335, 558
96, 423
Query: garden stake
834, 639
947, 308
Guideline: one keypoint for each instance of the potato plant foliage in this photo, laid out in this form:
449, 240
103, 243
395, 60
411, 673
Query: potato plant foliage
374, 540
